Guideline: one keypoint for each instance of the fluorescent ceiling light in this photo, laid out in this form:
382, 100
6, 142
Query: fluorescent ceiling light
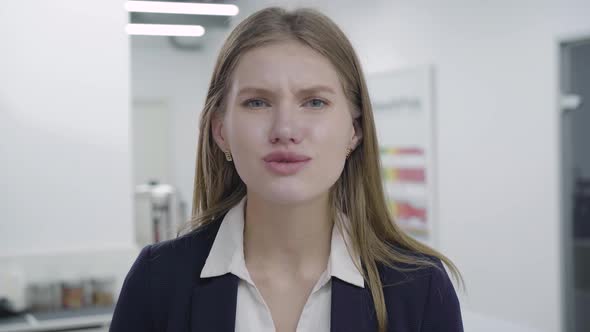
181, 8
165, 30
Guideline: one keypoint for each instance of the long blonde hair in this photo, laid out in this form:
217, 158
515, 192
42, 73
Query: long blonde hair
358, 193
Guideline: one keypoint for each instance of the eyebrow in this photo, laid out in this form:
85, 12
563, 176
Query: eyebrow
312, 89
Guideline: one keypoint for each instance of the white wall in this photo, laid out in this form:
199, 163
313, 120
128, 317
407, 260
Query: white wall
64, 118
496, 95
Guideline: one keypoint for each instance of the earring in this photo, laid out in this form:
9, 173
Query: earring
348, 151
228, 155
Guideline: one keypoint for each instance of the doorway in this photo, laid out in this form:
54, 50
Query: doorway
575, 178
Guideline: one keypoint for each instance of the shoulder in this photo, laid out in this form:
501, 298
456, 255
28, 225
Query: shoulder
188, 251
425, 291
409, 280
399, 272
158, 275
173, 263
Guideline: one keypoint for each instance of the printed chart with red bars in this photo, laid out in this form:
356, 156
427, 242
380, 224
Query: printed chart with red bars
403, 171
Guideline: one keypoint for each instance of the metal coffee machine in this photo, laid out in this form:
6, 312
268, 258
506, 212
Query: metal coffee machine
159, 212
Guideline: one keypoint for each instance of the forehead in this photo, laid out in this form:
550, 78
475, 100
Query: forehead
287, 64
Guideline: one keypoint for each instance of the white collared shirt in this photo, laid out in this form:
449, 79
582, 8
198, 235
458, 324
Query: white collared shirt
252, 313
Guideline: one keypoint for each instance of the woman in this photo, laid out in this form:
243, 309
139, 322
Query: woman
290, 228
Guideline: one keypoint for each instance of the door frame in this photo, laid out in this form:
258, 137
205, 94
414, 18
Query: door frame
568, 316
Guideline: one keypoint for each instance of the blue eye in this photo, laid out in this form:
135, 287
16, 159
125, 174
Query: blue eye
248, 103
320, 100
258, 103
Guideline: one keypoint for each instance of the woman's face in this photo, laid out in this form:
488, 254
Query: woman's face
286, 97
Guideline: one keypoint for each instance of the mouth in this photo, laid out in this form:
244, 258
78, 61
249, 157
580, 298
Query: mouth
285, 157
285, 163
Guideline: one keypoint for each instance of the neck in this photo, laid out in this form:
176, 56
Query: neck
287, 239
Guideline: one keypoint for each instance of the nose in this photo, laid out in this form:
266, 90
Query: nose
285, 127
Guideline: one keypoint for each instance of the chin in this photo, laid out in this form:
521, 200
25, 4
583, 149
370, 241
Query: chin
289, 196
284, 190
285, 198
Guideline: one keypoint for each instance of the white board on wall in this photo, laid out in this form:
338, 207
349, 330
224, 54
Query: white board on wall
402, 102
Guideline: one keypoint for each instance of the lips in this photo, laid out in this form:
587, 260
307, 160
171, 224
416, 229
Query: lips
285, 163
285, 157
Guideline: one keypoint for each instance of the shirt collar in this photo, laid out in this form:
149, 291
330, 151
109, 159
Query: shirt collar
227, 252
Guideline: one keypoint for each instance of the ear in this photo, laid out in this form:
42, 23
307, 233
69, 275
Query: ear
217, 130
357, 131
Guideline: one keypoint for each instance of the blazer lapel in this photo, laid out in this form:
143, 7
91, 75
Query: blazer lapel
350, 308
214, 304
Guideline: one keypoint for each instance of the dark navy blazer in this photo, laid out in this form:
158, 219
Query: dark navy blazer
163, 292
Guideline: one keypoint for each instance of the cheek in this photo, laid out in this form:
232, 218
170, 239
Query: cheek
244, 132
246, 136
329, 137
329, 145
